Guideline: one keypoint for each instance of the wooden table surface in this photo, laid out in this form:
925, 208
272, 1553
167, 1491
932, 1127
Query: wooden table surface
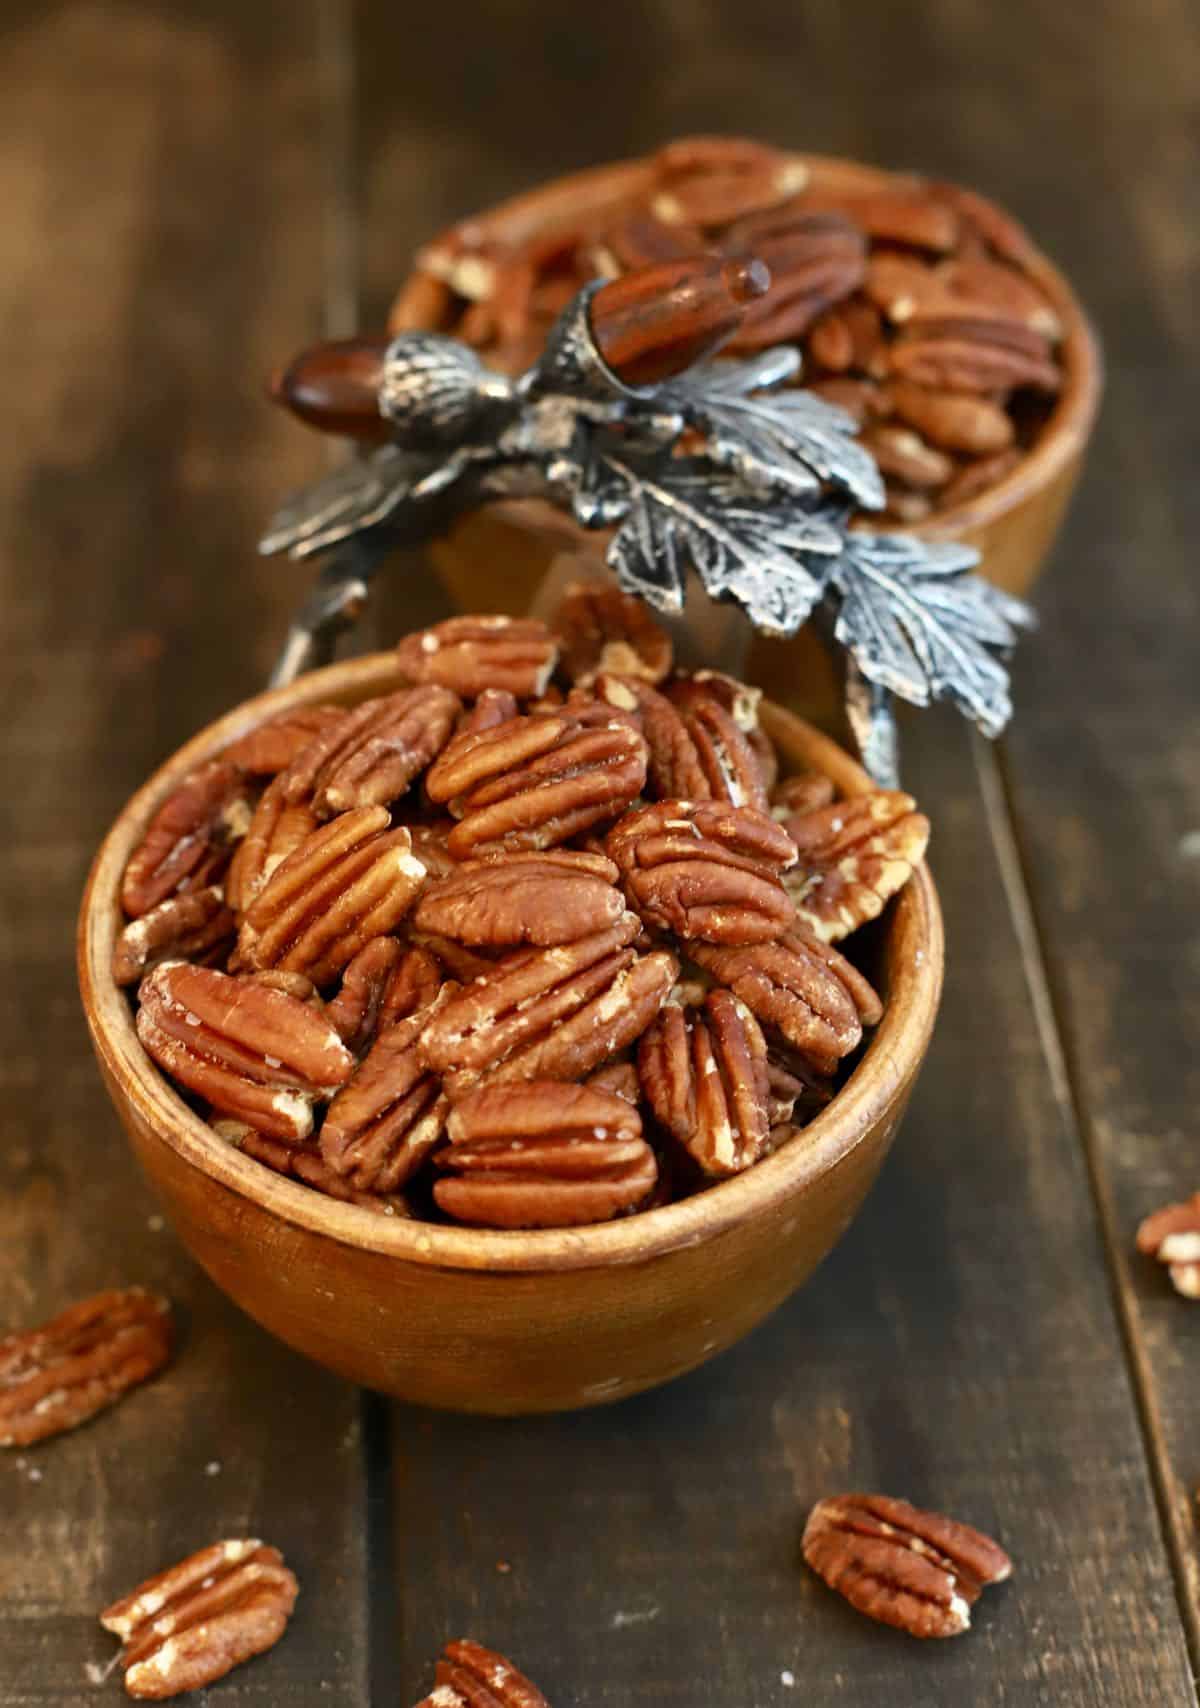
191, 191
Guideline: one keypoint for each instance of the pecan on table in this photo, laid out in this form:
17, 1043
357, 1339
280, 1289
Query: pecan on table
853, 857
543, 1155
308, 1166
534, 782
189, 927
275, 829
384, 1123
549, 1013
800, 988
188, 842
374, 752
601, 628
191, 1624
55, 1377
258, 1054
352, 880
703, 869
704, 1075
1172, 1235
915, 1570
470, 1676
270, 747
523, 899
471, 654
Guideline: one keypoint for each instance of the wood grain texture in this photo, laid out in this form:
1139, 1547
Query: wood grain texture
154, 245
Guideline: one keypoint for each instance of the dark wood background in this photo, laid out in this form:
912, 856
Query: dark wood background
188, 192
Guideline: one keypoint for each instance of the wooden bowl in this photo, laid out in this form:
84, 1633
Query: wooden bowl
477, 1320
503, 550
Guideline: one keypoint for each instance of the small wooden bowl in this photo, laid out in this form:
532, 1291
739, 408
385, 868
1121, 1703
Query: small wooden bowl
476, 1320
1012, 525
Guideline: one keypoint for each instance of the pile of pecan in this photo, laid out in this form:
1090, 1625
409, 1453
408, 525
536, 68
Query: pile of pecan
914, 305
537, 939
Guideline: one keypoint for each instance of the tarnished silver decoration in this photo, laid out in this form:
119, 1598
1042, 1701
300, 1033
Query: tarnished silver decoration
760, 508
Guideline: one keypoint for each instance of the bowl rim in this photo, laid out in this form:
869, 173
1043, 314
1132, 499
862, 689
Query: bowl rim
1070, 422
881, 1076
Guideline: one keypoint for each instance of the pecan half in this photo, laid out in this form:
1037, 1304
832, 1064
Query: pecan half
854, 856
915, 1570
903, 455
549, 1013
383, 1124
601, 628
710, 180
704, 869
275, 829
718, 723
355, 1011
308, 1166
673, 765
470, 1676
258, 1054
802, 989
975, 355
271, 747
187, 927
535, 782
371, 756
704, 1075
953, 420
494, 706
815, 259
1172, 1235
58, 1376
979, 476
543, 1155
802, 793
469, 654
352, 880
523, 899
191, 1624
189, 840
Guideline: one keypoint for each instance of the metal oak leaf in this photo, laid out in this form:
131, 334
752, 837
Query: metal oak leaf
791, 441
684, 515
916, 622
360, 494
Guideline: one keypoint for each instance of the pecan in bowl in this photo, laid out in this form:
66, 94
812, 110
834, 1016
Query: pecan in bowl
532, 1116
919, 306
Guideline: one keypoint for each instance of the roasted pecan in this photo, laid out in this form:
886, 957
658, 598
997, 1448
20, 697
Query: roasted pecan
469, 654
258, 1054
904, 505
354, 1012
1172, 1235
543, 1155
191, 1624
275, 829
188, 927
854, 856
460, 962
429, 845
903, 455
952, 420
704, 869
621, 1078
719, 727
912, 1569
58, 1376
850, 338
549, 1013
864, 400
904, 216
971, 286
372, 755
494, 706
804, 792
352, 880
979, 476
708, 181
382, 1125
802, 989
641, 239
535, 782
523, 899
271, 747
975, 355
901, 286
673, 765
815, 260
470, 1676
601, 628
704, 1074
307, 1165
189, 840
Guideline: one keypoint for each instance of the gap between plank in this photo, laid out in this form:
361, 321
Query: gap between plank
1050, 1005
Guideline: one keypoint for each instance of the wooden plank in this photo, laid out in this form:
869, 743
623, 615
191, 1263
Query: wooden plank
960, 1346
164, 188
